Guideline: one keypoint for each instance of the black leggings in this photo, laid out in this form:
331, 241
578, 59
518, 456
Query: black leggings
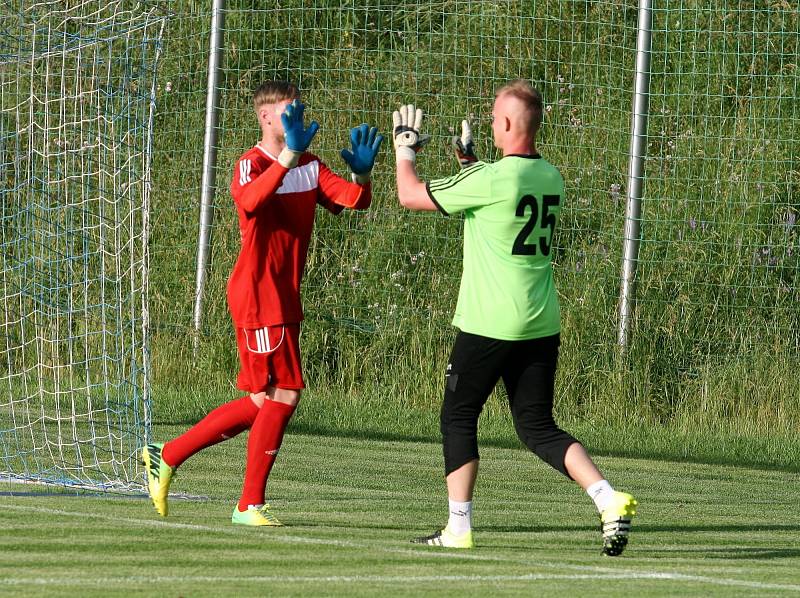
528, 370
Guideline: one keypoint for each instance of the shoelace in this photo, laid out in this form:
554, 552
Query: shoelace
616, 527
264, 510
155, 468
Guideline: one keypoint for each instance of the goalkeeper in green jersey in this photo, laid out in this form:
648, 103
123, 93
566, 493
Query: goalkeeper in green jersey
507, 311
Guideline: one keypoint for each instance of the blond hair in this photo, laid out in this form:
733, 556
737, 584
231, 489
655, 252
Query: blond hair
274, 91
529, 96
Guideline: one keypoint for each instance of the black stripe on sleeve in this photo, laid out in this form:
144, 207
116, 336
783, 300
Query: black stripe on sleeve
433, 199
442, 184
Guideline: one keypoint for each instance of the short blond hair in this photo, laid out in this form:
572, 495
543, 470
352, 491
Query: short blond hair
529, 96
274, 91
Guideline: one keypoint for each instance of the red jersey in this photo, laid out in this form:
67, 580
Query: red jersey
276, 209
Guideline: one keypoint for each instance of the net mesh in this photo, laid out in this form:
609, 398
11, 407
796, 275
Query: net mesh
76, 86
718, 288
379, 288
716, 326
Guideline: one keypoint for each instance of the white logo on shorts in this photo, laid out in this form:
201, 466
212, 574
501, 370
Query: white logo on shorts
263, 342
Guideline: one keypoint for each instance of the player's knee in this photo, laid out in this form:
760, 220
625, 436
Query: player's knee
286, 396
258, 398
460, 429
459, 416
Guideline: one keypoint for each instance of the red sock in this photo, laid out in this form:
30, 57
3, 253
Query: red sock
262, 448
226, 421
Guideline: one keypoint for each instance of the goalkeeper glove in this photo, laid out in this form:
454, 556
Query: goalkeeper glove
464, 147
406, 129
365, 141
298, 138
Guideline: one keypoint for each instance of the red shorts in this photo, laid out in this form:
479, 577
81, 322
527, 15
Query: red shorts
270, 356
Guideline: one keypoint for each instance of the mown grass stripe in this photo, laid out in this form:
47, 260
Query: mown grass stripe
404, 579
591, 572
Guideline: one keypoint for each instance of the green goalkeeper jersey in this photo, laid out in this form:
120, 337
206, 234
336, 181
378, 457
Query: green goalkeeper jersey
511, 208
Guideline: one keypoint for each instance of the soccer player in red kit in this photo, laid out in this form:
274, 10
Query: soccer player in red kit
276, 187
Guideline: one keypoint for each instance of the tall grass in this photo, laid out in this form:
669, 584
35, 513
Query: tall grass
715, 342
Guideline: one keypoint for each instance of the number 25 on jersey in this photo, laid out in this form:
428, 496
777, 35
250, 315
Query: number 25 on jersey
546, 227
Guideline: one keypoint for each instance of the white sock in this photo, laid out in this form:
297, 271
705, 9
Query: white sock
460, 520
602, 494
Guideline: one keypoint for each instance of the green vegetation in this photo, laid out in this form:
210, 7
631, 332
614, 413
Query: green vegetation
707, 391
715, 342
701, 530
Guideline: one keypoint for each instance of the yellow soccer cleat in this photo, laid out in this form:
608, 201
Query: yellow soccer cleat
255, 516
446, 539
615, 523
159, 476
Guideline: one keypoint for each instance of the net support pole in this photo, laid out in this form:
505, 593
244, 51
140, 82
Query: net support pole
636, 156
208, 184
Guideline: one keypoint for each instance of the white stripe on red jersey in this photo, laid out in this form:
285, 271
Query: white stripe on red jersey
275, 222
300, 179
244, 172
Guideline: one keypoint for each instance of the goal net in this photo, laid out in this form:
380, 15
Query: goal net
76, 106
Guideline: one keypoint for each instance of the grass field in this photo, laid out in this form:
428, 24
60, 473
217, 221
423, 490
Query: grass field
351, 505
716, 334
700, 419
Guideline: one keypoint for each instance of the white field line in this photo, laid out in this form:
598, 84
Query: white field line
591, 572
390, 579
385, 579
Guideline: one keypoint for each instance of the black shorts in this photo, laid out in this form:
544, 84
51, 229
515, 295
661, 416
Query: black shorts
528, 370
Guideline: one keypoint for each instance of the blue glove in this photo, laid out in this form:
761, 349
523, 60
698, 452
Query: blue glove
298, 138
365, 141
